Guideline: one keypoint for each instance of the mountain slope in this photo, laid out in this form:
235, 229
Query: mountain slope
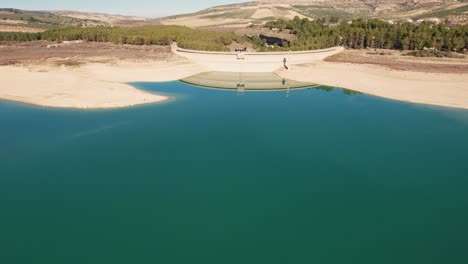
15, 20
41, 20
258, 12
104, 18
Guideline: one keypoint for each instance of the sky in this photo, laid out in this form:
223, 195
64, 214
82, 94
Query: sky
147, 8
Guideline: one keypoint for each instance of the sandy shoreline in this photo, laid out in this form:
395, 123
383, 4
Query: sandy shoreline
441, 89
104, 85
90, 86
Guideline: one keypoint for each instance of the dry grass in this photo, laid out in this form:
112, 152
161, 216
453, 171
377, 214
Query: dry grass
397, 61
8, 62
4, 28
75, 55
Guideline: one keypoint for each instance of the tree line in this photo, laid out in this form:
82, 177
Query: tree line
372, 33
146, 35
317, 34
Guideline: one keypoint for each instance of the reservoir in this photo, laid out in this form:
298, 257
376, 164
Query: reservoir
298, 173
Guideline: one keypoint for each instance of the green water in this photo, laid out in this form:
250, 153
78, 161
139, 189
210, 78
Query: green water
321, 176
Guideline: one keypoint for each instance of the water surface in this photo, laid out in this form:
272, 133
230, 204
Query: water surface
305, 176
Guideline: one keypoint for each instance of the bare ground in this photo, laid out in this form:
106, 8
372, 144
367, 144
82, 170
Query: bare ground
100, 81
76, 54
396, 61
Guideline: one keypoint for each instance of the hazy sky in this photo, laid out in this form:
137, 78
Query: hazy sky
149, 8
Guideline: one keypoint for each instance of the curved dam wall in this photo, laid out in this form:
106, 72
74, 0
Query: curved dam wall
252, 61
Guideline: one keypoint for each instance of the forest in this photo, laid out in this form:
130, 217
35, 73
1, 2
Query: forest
371, 33
309, 35
147, 35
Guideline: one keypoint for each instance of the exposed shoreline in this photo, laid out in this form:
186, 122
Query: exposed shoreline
91, 86
440, 89
103, 83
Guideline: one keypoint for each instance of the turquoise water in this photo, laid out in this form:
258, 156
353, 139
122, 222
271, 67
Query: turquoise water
321, 176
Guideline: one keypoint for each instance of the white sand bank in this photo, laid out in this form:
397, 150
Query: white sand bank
104, 85
440, 89
88, 86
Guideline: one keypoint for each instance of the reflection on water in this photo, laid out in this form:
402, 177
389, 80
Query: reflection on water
244, 82
330, 89
217, 178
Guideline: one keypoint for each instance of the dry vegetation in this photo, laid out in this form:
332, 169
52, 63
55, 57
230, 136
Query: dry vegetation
397, 61
7, 28
77, 54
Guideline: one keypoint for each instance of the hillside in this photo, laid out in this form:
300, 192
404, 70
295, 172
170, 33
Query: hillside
36, 21
15, 20
245, 14
103, 18
259, 12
